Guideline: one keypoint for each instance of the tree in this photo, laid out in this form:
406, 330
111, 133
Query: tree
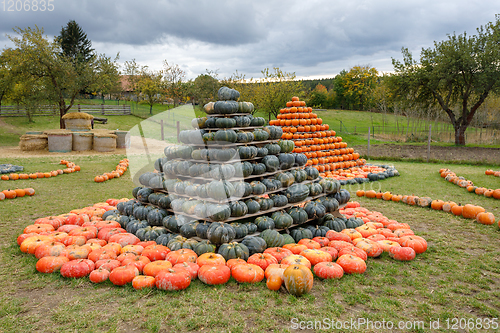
359, 84
109, 77
318, 97
456, 74
75, 44
274, 89
150, 85
173, 81
204, 88
61, 78
6, 77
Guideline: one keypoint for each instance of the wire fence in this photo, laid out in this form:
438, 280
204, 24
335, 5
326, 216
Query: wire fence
440, 132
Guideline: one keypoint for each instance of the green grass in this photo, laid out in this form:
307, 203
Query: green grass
458, 277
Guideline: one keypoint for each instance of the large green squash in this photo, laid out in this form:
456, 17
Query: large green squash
300, 233
180, 242
258, 121
224, 154
252, 227
258, 188
227, 94
220, 190
156, 216
200, 210
253, 206
244, 137
219, 233
247, 152
279, 200
225, 171
204, 246
336, 224
234, 250
240, 229
275, 132
218, 212
226, 136
188, 230
271, 162
225, 123
298, 215
273, 148
271, 184
312, 173
288, 239
286, 178
331, 204
286, 161
314, 189
300, 175
254, 244
259, 168
242, 189
238, 209
315, 209
259, 134
202, 229
272, 238
282, 220
226, 107
265, 203
243, 169
150, 233
245, 107
243, 121
264, 222
286, 146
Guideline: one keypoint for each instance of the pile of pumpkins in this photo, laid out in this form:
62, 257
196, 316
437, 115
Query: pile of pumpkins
468, 211
10, 168
70, 168
325, 151
17, 193
363, 174
117, 173
82, 243
450, 176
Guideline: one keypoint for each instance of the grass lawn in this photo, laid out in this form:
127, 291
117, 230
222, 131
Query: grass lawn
458, 277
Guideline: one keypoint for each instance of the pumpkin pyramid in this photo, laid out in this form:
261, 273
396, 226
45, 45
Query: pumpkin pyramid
233, 185
325, 151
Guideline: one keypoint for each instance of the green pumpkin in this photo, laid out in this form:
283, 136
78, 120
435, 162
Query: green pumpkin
298, 215
219, 233
286, 161
260, 135
265, 203
245, 107
247, 152
353, 223
203, 246
188, 230
238, 209
150, 233
258, 121
209, 108
202, 191
243, 169
227, 94
224, 154
145, 177
300, 159
343, 196
202, 229
225, 171
331, 204
225, 123
282, 220
244, 137
220, 190
174, 222
264, 222
199, 122
226, 107
254, 244
141, 212
242, 189
272, 238
164, 239
271, 184
318, 230
252, 227
259, 169
209, 137
315, 210
286, 178
287, 146
240, 229
279, 200
300, 175
312, 173
314, 189
200, 210
262, 152
189, 206
156, 216
330, 185
218, 212
253, 206
271, 162
273, 148
243, 121
258, 188
275, 132
288, 239
234, 250
191, 190
180, 242
336, 224
143, 194
300, 233
210, 123
135, 225
226, 136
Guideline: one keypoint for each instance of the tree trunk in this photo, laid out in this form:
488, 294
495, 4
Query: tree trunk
460, 134
62, 112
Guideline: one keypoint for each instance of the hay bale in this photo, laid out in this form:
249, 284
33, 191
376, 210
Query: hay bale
78, 115
30, 142
104, 142
82, 141
123, 139
60, 140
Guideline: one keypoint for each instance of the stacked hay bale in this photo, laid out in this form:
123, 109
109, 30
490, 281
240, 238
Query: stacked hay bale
31, 142
78, 121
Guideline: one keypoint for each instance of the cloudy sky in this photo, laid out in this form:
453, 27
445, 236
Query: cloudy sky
313, 38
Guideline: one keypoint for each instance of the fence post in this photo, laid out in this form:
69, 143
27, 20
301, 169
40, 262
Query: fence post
178, 130
429, 143
340, 129
79, 107
162, 134
124, 109
373, 134
102, 109
368, 149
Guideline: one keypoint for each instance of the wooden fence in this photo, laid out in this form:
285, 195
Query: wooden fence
52, 110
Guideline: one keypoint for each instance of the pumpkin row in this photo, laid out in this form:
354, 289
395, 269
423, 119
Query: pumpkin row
268, 164
357, 175
225, 154
490, 172
450, 176
228, 122
229, 136
10, 168
17, 193
192, 187
228, 107
70, 168
117, 173
467, 211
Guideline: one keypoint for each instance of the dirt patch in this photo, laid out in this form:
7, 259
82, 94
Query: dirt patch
467, 154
